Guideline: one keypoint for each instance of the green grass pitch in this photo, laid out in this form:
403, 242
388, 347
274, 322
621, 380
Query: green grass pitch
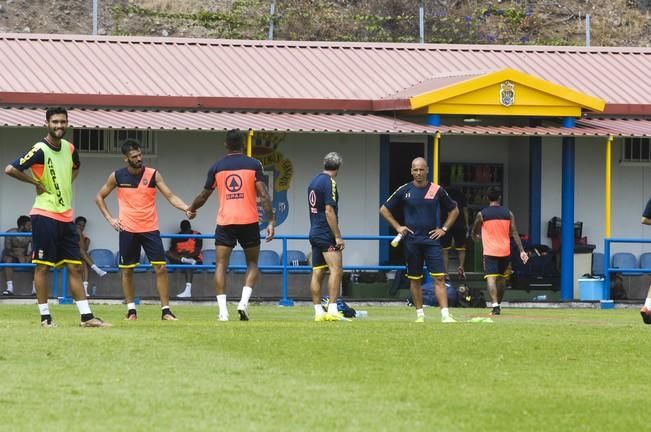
530, 370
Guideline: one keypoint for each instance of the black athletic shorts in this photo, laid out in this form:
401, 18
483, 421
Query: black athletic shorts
54, 242
247, 235
456, 234
131, 244
496, 266
423, 250
320, 245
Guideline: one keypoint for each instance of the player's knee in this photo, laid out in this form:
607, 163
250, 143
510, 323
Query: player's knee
160, 269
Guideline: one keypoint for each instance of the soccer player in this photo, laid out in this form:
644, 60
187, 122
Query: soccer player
54, 163
238, 179
420, 203
325, 236
646, 309
138, 223
496, 224
458, 232
84, 246
17, 250
186, 251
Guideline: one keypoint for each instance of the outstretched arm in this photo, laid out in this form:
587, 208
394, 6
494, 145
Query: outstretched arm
516, 237
101, 203
169, 196
261, 190
199, 201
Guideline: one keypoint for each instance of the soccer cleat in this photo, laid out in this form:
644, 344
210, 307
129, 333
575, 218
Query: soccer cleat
184, 294
420, 319
95, 322
132, 315
48, 323
497, 310
448, 319
167, 315
244, 313
646, 315
320, 318
334, 317
7, 293
223, 317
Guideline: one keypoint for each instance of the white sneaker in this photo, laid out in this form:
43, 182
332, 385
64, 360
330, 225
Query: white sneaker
449, 319
190, 261
223, 317
185, 294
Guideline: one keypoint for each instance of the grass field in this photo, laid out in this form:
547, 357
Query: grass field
530, 370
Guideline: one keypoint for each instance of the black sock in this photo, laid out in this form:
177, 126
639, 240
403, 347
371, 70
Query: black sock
87, 317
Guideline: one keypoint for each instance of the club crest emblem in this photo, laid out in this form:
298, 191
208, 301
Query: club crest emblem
233, 183
507, 93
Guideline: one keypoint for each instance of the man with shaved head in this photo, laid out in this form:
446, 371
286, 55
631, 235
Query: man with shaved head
420, 204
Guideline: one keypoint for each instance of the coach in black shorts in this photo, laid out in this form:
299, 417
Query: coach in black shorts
421, 202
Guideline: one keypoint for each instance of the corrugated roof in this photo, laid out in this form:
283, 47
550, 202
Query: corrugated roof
310, 123
186, 73
220, 121
587, 127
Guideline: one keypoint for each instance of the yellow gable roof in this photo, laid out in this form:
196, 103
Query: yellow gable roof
506, 92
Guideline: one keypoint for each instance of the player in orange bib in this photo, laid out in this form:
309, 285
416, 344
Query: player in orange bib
138, 223
238, 180
496, 224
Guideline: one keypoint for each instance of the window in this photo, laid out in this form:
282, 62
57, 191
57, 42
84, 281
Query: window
109, 142
637, 150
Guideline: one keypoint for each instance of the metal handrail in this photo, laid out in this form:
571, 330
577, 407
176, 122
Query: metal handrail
283, 267
608, 269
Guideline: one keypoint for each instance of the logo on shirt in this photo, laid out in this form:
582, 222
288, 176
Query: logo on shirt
233, 184
312, 199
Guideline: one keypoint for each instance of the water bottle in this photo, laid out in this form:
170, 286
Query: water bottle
361, 314
396, 240
540, 298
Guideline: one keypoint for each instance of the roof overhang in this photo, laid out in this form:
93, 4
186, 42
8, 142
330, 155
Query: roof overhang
506, 92
303, 122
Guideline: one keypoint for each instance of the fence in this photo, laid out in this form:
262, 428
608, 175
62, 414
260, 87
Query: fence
284, 268
607, 266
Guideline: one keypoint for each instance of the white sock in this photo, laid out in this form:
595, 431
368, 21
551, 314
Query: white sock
445, 313
83, 307
188, 286
131, 306
10, 286
164, 307
44, 308
221, 301
420, 313
246, 295
332, 309
495, 304
647, 303
318, 310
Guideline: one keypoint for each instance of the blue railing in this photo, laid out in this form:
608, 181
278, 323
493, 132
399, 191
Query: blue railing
284, 267
608, 269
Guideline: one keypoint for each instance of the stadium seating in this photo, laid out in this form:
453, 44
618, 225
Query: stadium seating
625, 260
645, 261
237, 258
598, 264
104, 259
209, 258
269, 257
296, 258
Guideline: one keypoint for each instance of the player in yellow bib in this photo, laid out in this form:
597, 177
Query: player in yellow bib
54, 165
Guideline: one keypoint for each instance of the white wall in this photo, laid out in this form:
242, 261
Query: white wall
184, 159
631, 186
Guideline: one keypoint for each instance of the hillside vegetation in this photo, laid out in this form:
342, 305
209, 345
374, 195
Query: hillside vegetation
539, 22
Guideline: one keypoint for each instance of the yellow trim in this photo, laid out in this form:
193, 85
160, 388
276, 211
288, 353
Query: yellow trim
480, 95
460, 249
607, 197
437, 274
157, 262
415, 277
128, 265
47, 263
505, 275
249, 143
68, 261
320, 267
435, 159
